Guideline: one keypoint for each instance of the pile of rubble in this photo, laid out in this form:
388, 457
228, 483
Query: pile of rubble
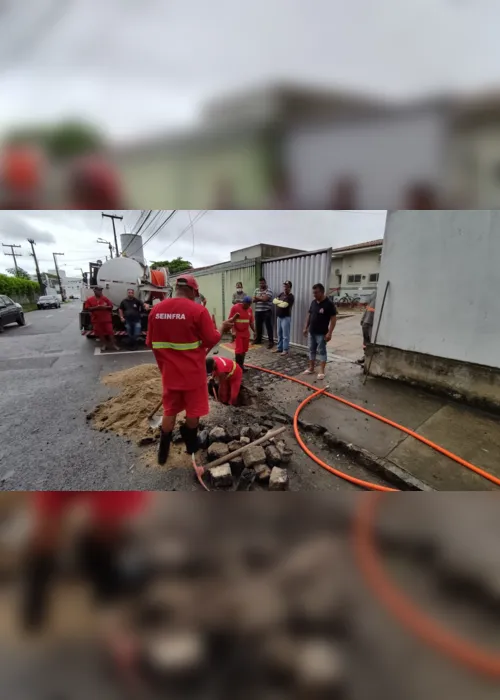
240, 462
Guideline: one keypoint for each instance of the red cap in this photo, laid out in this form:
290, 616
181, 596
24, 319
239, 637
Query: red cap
188, 281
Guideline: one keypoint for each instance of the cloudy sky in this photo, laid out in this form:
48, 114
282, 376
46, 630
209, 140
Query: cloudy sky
216, 234
142, 65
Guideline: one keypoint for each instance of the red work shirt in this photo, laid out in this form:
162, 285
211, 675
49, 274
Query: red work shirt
181, 322
245, 318
99, 315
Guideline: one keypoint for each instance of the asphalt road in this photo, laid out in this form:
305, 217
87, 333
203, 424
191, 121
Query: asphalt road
49, 381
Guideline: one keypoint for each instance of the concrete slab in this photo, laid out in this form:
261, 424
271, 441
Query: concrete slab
469, 433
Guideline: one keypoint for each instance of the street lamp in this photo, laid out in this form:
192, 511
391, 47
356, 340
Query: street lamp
101, 240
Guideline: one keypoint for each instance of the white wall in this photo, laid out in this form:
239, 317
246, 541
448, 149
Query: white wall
444, 273
385, 155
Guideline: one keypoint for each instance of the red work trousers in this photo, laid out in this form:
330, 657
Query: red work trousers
229, 387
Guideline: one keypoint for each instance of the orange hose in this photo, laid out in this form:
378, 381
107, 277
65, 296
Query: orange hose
342, 475
473, 657
484, 474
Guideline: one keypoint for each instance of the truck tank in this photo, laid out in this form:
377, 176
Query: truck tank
132, 247
117, 275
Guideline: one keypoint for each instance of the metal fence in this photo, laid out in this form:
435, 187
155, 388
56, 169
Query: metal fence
303, 270
218, 284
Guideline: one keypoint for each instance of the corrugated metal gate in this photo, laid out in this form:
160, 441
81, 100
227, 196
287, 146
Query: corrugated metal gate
218, 284
303, 270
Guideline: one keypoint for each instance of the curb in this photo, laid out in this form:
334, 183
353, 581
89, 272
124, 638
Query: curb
382, 467
391, 472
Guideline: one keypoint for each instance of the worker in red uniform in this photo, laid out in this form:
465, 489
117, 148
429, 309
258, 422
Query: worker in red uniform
180, 333
229, 376
100, 308
242, 316
100, 547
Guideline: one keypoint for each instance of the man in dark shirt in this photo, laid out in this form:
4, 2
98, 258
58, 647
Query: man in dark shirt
284, 303
320, 322
130, 311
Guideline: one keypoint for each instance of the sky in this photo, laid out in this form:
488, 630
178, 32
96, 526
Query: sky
216, 234
138, 66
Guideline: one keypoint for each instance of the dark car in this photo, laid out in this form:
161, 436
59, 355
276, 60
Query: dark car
10, 312
51, 301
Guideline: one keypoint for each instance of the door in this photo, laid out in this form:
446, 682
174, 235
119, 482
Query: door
10, 311
3, 311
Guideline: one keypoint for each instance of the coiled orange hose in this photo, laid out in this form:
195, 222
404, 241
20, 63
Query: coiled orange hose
473, 657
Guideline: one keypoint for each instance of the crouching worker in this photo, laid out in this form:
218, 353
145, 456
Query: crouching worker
180, 333
229, 376
241, 315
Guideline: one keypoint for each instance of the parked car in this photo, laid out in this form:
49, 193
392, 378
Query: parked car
10, 312
48, 302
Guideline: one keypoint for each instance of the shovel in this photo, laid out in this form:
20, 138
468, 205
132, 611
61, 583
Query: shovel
156, 416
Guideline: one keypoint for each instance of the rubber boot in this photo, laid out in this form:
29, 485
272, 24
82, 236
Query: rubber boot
164, 446
38, 575
239, 360
190, 437
243, 362
100, 561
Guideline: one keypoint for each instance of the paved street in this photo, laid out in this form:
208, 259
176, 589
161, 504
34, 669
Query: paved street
49, 381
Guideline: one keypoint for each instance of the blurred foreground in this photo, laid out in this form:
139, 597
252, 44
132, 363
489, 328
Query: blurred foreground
279, 147
248, 598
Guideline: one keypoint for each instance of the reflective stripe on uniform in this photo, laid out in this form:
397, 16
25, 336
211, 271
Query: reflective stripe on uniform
242, 320
176, 346
233, 370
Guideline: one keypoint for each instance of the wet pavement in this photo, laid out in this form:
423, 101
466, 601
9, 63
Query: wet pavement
467, 432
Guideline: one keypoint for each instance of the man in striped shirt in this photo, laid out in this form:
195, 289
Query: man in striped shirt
263, 299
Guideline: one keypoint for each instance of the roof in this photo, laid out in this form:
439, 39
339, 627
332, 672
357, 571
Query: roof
358, 246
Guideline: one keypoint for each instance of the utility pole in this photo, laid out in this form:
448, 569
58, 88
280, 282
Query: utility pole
113, 217
58, 275
39, 276
101, 240
12, 254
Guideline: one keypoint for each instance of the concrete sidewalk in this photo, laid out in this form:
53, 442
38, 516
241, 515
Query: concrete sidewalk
469, 433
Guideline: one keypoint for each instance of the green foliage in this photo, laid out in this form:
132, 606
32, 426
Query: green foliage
20, 273
15, 286
64, 140
173, 266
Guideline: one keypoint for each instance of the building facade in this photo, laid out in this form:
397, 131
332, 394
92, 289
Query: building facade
439, 327
355, 270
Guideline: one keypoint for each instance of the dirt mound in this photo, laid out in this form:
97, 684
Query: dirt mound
133, 376
127, 413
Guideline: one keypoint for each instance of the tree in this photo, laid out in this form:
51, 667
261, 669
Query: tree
19, 273
173, 266
61, 141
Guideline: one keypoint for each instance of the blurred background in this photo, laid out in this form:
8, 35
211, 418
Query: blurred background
264, 104
261, 597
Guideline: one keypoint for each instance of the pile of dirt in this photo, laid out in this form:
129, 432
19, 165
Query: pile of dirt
127, 413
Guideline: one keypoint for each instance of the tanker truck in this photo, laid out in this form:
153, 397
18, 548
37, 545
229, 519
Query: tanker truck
116, 276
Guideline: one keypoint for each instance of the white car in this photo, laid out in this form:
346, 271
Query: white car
48, 302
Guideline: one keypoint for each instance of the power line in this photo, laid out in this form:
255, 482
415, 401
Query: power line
199, 216
137, 233
161, 226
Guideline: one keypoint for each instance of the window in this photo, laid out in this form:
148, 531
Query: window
353, 279
374, 277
